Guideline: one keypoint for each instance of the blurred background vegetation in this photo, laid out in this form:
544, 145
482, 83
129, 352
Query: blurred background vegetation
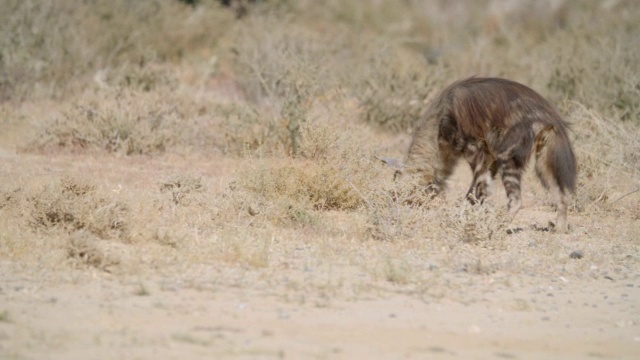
391, 55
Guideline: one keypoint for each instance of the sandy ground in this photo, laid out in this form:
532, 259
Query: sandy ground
94, 315
189, 310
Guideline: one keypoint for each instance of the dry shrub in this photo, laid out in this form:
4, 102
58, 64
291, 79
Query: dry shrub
235, 245
307, 183
152, 77
404, 212
177, 213
47, 47
125, 122
283, 69
608, 158
483, 225
242, 130
393, 86
9, 199
84, 248
72, 204
398, 211
285, 65
608, 83
245, 129
182, 187
397, 271
277, 59
333, 172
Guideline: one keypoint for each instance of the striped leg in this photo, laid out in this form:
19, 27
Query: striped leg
484, 170
548, 180
511, 176
483, 186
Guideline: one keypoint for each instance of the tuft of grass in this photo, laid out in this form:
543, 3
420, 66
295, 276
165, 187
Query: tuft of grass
242, 129
73, 204
398, 211
332, 172
85, 248
315, 186
141, 290
473, 224
397, 271
181, 186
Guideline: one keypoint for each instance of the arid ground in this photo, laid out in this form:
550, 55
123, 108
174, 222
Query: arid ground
185, 182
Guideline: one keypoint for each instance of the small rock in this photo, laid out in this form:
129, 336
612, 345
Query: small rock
576, 254
252, 211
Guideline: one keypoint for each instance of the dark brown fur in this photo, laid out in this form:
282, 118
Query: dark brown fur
496, 125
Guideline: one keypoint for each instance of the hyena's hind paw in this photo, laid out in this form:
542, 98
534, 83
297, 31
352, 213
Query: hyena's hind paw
514, 230
560, 227
547, 228
552, 227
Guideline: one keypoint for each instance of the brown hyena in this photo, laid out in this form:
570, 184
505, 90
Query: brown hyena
496, 125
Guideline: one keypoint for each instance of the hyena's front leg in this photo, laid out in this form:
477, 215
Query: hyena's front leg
447, 159
483, 184
484, 170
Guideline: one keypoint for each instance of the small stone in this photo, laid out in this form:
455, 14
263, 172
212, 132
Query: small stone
576, 254
252, 211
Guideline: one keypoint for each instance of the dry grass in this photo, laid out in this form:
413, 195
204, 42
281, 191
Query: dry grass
48, 50
252, 142
116, 122
173, 158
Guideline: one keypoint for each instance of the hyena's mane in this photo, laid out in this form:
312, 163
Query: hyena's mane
481, 104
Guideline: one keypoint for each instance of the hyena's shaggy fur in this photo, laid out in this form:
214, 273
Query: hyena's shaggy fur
496, 125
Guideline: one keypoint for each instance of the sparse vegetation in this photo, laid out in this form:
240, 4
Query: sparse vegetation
306, 110
309, 109
160, 137
71, 205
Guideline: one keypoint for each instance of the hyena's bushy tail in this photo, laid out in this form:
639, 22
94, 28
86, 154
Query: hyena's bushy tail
555, 160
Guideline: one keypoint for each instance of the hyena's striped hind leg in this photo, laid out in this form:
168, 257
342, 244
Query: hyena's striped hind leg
548, 148
549, 182
511, 174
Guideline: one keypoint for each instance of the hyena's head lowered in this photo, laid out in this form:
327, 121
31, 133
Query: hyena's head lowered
425, 181
395, 164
